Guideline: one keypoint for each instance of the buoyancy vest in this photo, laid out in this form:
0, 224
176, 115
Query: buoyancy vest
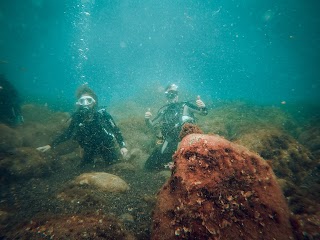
173, 119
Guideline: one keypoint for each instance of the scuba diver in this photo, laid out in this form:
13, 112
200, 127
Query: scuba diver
10, 109
171, 118
94, 130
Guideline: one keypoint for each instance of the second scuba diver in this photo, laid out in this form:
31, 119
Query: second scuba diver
10, 104
171, 118
95, 130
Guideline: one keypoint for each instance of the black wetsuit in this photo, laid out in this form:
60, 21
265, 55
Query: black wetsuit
171, 118
96, 137
10, 109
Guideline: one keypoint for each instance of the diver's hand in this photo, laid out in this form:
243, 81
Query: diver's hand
148, 114
44, 148
200, 103
124, 152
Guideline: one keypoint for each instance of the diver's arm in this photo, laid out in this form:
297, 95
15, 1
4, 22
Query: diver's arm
119, 138
151, 123
115, 130
108, 123
61, 138
195, 109
65, 135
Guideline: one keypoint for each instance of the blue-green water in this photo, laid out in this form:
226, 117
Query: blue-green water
254, 64
258, 51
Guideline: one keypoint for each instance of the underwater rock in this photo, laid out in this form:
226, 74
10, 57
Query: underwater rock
289, 159
9, 139
72, 159
126, 217
41, 125
137, 157
105, 182
310, 137
297, 168
123, 167
24, 162
3, 216
90, 226
189, 128
92, 189
220, 190
310, 225
164, 174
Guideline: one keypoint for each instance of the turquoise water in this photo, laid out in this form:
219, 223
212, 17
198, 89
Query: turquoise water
254, 64
263, 52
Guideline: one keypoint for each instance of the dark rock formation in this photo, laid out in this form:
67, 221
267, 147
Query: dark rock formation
90, 226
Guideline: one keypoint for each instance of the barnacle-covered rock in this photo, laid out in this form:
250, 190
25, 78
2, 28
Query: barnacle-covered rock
220, 190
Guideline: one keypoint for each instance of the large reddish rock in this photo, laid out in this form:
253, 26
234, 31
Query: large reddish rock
220, 190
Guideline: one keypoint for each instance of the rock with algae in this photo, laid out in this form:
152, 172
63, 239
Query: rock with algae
220, 190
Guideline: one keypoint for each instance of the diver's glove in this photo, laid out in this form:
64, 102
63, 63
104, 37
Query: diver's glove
44, 148
148, 114
124, 152
200, 103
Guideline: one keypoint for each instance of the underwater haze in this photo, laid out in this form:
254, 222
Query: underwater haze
251, 172
259, 51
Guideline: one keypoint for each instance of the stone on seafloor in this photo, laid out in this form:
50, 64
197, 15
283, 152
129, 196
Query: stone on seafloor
4, 215
103, 181
9, 138
220, 190
72, 227
23, 163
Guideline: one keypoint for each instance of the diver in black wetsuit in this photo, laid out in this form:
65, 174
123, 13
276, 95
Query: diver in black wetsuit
171, 118
95, 130
10, 109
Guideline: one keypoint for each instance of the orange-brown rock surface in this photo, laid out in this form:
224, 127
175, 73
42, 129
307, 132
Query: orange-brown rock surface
220, 190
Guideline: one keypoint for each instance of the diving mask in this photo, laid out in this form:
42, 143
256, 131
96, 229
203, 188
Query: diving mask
85, 101
171, 94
